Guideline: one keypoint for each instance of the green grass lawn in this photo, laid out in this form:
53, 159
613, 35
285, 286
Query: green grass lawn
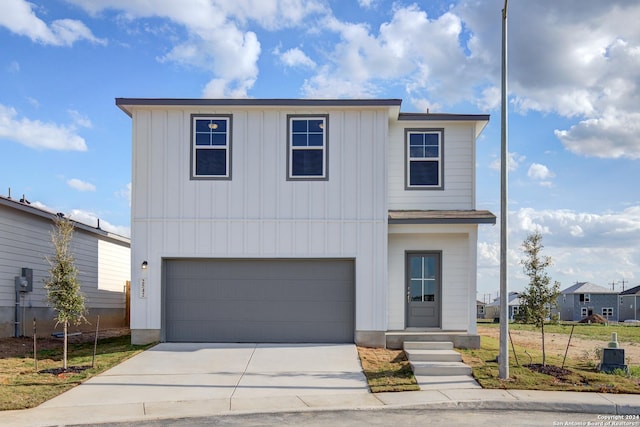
583, 374
630, 333
21, 386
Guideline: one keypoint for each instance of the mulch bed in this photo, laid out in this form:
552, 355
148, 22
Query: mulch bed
554, 371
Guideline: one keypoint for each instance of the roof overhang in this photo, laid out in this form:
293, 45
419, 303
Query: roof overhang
480, 120
127, 104
27, 208
441, 217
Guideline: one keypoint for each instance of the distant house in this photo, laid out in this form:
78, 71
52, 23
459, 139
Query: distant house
630, 304
492, 310
480, 309
102, 258
584, 299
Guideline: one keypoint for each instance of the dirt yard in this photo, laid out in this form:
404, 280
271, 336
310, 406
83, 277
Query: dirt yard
23, 346
556, 344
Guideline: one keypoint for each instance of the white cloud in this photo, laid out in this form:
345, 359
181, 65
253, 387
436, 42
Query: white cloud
18, 17
397, 54
540, 173
36, 134
125, 193
573, 58
216, 39
614, 134
80, 185
14, 67
513, 163
80, 119
566, 228
91, 219
295, 58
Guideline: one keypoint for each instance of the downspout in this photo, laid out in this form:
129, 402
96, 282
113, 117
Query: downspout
17, 315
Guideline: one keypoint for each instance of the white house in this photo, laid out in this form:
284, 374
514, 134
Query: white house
302, 220
102, 258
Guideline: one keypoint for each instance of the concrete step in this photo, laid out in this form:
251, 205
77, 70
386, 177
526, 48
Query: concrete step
440, 368
433, 355
427, 345
452, 382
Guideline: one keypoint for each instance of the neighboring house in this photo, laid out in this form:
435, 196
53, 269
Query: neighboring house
492, 310
102, 258
584, 299
302, 220
630, 304
480, 309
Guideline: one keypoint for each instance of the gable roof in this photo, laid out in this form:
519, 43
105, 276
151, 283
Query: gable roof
587, 288
514, 299
26, 207
632, 291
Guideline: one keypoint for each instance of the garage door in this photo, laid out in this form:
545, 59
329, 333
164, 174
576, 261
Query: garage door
259, 300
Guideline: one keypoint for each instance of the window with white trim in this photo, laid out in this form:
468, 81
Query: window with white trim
307, 147
424, 158
211, 147
585, 298
583, 311
607, 312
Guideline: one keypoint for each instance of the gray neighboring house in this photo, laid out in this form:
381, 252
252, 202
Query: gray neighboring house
492, 310
102, 258
480, 309
584, 299
630, 304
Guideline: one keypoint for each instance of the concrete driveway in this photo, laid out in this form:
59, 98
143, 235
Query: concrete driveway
226, 373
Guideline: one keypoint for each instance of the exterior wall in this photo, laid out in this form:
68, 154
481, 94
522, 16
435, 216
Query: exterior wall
259, 213
629, 309
597, 302
566, 307
457, 244
25, 241
459, 168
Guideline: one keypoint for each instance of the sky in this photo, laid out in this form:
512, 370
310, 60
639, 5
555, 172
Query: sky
573, 104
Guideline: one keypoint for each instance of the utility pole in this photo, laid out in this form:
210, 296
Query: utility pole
623, 282
503, 368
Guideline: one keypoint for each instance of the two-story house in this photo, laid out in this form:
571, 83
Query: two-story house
302, 220
584, 299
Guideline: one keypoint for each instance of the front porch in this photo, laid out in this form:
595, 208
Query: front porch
460, 339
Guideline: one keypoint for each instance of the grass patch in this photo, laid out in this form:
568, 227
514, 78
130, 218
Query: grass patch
630, 333
583, 375
387, 370
22, 387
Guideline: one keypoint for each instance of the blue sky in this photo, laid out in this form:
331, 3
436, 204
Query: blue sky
574, 100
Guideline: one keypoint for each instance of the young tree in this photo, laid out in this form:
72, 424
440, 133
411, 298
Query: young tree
62, 285
540, 295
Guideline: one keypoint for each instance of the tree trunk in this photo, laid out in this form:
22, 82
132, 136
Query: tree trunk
64, 351
544, 355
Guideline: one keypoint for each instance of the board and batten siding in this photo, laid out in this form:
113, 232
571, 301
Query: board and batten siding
459, 168
458, 246
259, 213
25, 241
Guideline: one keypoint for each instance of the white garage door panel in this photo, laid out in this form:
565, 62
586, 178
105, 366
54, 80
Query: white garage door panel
259, 300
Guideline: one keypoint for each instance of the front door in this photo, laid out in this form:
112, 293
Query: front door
423, 287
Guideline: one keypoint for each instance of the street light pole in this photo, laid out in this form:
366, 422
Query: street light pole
503, 360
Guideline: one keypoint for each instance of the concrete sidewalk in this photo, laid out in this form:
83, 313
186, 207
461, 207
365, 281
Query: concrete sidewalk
199, 380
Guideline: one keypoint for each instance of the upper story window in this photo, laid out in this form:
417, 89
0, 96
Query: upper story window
424, 158
585, 298
307, 147
211, 147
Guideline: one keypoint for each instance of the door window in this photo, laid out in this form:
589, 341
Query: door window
422, 277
